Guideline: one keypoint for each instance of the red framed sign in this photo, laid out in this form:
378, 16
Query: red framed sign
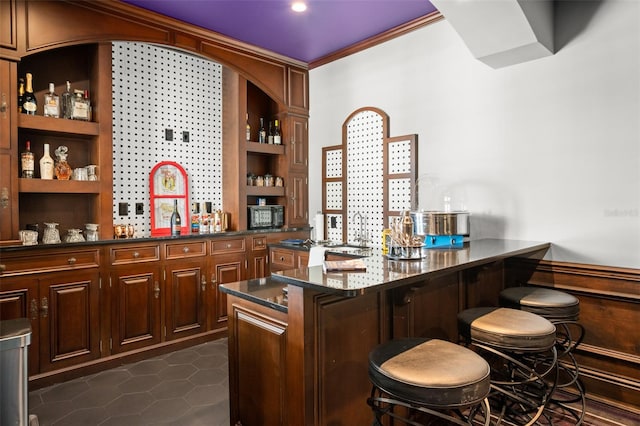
168, 182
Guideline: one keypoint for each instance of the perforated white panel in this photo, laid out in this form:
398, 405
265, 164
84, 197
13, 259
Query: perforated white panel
334, 163
334, 234
364, 170
399, 194
399, 157
334, 196
154, 89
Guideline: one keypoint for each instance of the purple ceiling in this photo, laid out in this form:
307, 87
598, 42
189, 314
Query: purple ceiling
326, 27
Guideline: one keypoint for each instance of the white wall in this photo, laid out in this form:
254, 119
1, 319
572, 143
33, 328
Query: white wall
547, 150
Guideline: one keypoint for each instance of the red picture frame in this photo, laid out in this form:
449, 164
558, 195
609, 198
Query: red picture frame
168, 181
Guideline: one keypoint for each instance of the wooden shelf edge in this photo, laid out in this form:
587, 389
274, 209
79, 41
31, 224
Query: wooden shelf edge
264, 148
58, 125
266, 191
59, 186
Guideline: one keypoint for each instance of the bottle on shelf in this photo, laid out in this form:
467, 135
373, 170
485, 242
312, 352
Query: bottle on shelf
176, 221
195, 218
79, 108
62, 169
20, 95
51, 103
87, 101
248, 128
277, 137
27, 161
270, 136
262, 135
29, 103
46, 164
66, 98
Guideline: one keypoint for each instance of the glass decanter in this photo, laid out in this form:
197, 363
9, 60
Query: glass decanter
62, 168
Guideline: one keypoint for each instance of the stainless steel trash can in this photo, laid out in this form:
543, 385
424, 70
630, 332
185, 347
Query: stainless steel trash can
15, 337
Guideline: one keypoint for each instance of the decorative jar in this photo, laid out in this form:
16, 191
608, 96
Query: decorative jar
74, 236
51, 234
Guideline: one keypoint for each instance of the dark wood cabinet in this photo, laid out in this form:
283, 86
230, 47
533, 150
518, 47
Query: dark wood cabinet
298, 151
8, 30
258, 257
185, 298
282, 259
298, 213
8, 155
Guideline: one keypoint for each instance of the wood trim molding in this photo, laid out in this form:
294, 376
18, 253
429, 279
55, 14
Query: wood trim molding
378, 39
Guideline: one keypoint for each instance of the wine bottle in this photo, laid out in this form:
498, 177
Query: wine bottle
21, 95
262, 135
248, 129
270, 136
27, 162
66, 107
51, 103
277, 137
176, 222
29, 103
46, 164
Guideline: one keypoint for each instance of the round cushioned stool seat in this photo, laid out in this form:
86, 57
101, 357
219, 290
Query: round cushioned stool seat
552, 304
507, 328
430, 372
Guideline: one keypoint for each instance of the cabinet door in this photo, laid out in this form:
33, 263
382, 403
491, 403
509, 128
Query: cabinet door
19, 299
8, 160
298, 201
69, 319
298, 157
258, 257
185, 292
225, 269
8, 24
135, 308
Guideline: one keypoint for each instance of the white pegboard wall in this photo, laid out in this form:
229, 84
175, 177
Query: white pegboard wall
365, 137
156, 88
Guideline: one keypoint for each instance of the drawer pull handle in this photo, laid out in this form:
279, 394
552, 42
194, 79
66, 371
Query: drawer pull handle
156, 290
34, 309
185, 249
44, 307
213, 280
136, 255
281, 258
203, 284
228, 245
71, 260
3, 267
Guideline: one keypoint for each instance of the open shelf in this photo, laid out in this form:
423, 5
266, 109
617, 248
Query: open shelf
264, 148
266, 191
59, 186
58, 125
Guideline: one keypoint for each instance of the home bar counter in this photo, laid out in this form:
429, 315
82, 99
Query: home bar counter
302, 359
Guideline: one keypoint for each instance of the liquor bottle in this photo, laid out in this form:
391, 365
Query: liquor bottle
270, 136
87, 101
51, 103
248, 129
262, 135
195, 218
27, 162
20, 95
176, 222
277, 137
46, 164
66, 107
79, 108
29, 103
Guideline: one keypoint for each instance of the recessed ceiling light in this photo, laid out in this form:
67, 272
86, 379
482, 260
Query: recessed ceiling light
298, 6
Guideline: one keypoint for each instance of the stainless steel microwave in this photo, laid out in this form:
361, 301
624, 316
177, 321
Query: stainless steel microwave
265, 217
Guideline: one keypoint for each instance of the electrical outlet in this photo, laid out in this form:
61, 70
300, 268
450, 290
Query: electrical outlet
168, 134
139, 208
185, 136
123, 209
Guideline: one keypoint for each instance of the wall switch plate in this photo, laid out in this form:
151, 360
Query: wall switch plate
185, 136
123, 209
168, 134
139, 208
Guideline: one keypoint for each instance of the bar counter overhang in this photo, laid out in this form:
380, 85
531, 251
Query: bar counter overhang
313, 349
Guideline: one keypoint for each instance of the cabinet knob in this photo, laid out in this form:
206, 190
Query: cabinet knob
3, 267
185, 249
34, 309
228, 245
156, 290
71, 261
203, 284
213, 280
3, 105
136, 255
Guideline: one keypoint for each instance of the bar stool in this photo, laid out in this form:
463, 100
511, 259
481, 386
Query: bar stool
520, 348
562, 309
429, 377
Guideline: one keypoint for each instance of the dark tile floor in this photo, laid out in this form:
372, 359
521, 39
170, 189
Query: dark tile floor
186, 387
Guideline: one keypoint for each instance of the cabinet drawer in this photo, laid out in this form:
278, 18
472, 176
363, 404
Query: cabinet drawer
185, 249
283, 258
258, 243
47, 262
134, 254
227, 246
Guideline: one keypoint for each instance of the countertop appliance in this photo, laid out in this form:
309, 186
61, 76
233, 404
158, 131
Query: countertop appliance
260, 217
441, 229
